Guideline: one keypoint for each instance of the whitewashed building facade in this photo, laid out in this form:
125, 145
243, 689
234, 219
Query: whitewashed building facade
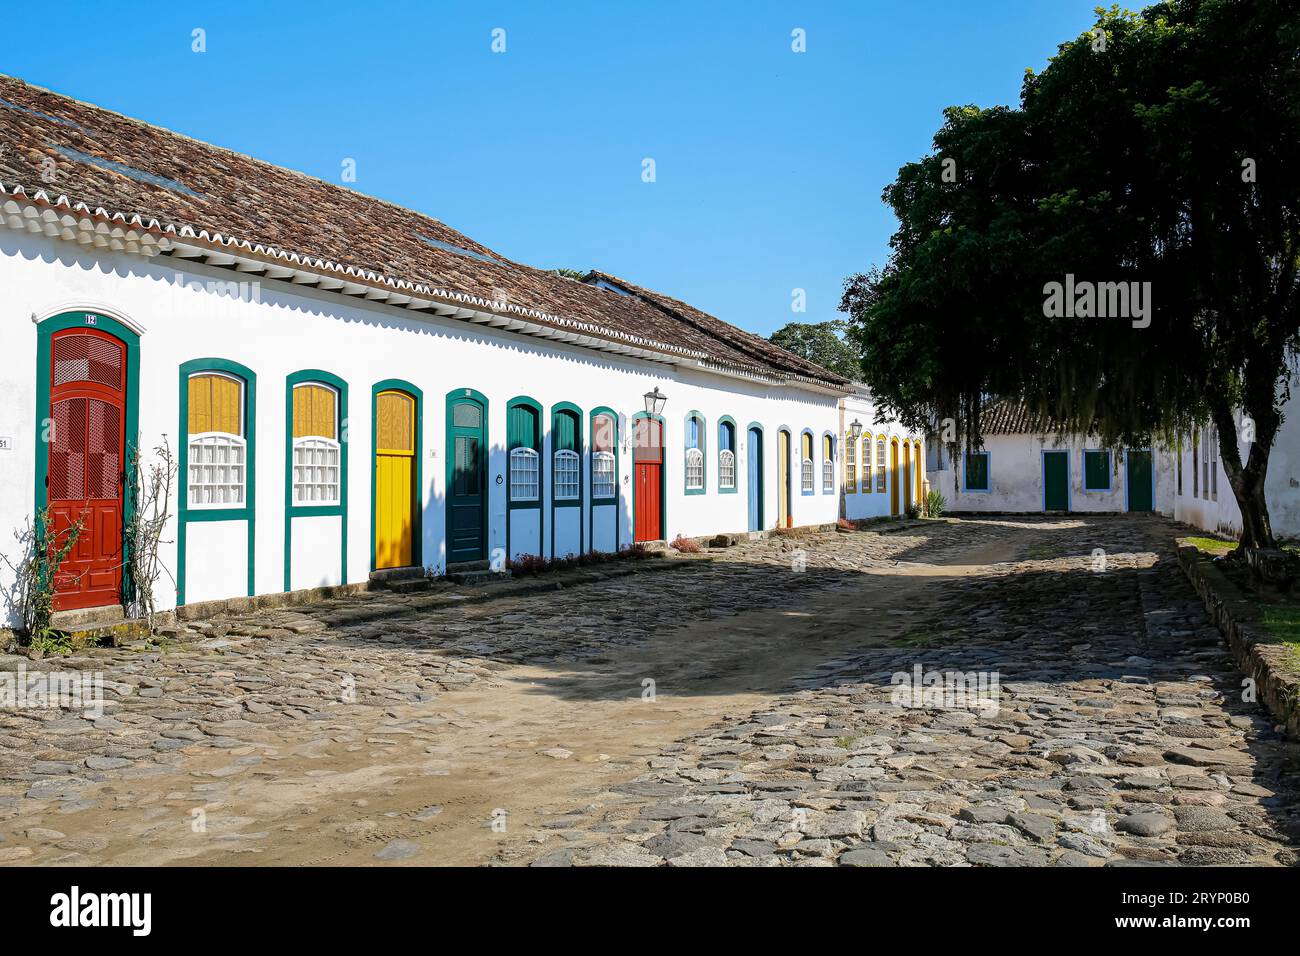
1027, 466
1203, 497
350, 386
884, 463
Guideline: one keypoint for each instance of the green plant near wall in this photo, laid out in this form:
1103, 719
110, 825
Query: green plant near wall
935, 504
42, 551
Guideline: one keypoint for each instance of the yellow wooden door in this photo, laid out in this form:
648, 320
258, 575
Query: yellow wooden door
783, 479
893, 477
920, 472
394, 479
907, 476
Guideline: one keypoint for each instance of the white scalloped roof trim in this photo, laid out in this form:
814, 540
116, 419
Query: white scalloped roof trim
405, 286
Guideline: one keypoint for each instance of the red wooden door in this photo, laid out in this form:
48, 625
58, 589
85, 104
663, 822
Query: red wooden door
648, 456
86, 463
648, 484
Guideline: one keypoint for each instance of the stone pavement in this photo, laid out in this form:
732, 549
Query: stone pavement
1119, 734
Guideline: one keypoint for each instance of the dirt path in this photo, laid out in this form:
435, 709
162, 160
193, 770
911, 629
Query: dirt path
423, 784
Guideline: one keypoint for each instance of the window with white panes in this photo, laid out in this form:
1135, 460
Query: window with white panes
604, 483
806, 464
523, 474
694, 455
566, 475
726, 455
217, 451
316, 448
828, 465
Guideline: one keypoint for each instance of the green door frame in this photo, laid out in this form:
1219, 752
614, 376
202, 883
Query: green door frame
663, 471
455, 396
595, 413
556, 409
248, 511
526, 401
1128, 479
88, 319
417, 519
1043, 464
291, 510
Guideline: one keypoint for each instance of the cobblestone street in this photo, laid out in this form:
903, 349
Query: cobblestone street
719, 711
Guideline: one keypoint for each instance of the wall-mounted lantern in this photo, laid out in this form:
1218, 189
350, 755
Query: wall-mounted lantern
654, 401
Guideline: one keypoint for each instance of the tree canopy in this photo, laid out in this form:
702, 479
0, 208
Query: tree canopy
1151, 169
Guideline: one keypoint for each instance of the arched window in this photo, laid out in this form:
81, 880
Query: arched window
850, 466
216, 433
806, 471
867, 486
880, 464
604, 464
726, 455
694, 454
524, 436
828, 465
316, 448
566, 442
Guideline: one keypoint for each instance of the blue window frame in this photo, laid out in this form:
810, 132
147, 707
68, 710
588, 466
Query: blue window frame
1096, 470
696, 472
726, 456
976, 475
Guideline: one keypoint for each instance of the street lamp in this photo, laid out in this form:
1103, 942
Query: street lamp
654, 401
855, 429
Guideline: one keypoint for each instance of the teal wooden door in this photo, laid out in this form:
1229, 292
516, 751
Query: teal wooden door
466, 481
1056, 481
1138, 477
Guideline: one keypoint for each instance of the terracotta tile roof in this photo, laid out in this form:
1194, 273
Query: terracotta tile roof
758, 349
60, 147
1009, 417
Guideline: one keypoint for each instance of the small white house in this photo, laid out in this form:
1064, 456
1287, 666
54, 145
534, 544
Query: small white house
884, 472
1026, 466
1202, 496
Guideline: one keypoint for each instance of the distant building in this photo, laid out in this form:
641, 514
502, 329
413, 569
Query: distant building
1202, 495
884, 472
1027, 465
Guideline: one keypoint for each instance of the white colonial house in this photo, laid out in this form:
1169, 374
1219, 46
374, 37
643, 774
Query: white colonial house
884, 472
350, 386
1027, 465
1202, 496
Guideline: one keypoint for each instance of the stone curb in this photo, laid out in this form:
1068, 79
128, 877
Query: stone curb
1276, 688
491, 592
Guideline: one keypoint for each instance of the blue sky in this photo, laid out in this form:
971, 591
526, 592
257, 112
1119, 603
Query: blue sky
769, 163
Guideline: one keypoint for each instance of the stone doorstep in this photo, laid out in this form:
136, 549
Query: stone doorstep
1277, 687
88, 617
102, 625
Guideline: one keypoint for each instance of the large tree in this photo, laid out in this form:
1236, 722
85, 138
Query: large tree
1160, 147
820, 342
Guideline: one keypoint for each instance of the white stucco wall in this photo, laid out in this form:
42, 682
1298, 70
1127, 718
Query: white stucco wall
1195, 505
863, 500
293, 328
1016, 478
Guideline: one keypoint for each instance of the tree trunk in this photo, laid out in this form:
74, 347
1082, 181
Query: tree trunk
1247, 482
